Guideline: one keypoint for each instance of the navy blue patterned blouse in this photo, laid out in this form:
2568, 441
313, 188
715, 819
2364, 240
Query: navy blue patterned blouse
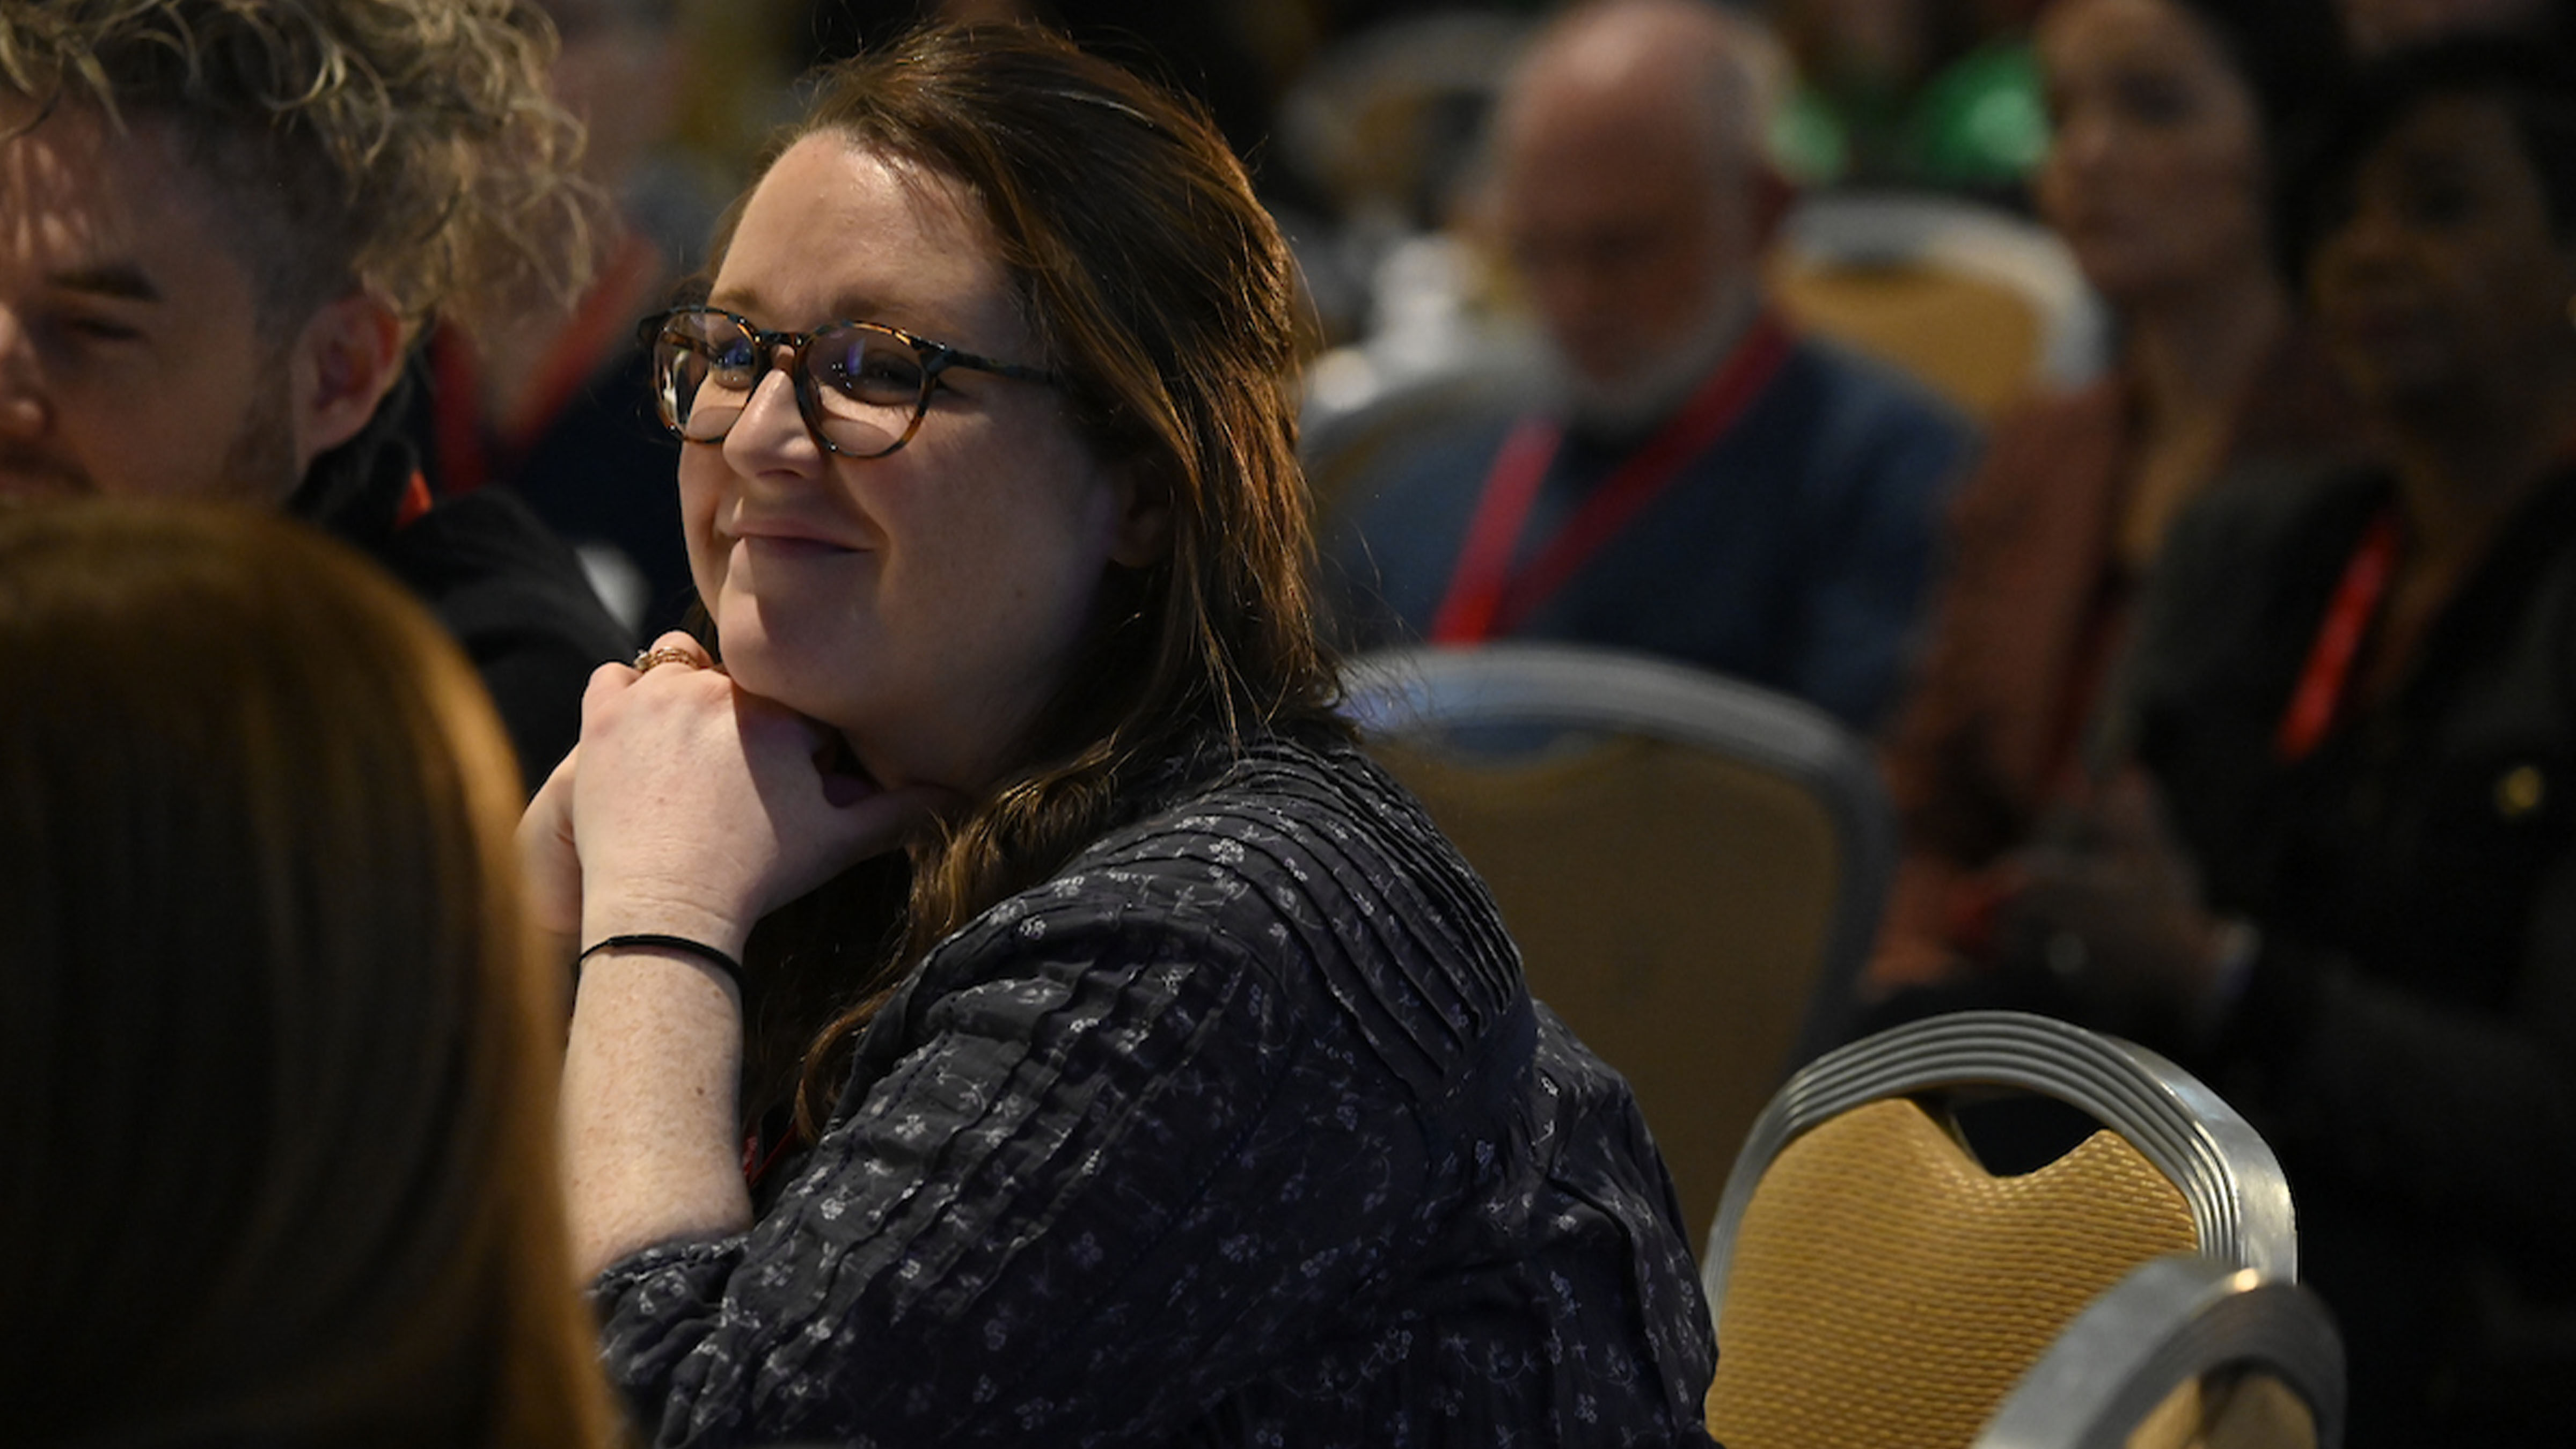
1241, 1130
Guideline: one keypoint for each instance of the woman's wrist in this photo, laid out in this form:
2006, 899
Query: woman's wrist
612, 913
723, 963
670, 969
699, 940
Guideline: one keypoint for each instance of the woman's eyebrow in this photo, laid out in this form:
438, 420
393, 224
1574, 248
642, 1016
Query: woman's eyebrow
748, 300
743, 299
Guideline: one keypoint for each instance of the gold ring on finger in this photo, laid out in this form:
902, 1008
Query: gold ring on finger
666, 654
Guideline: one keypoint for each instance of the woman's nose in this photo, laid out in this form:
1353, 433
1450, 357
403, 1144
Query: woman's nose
2081, 141
2367, 238
771, 434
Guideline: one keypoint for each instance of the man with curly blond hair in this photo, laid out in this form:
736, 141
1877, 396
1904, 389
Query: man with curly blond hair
222, 225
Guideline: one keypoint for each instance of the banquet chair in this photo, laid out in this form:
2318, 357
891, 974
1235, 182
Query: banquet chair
1692, 866
1874, 1284
2185, 1353
1350, 453
1982, 305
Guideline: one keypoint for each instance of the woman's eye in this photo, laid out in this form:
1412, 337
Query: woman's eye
877, 374
2157, 100
2438, 201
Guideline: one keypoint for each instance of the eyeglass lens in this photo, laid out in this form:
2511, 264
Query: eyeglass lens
861, 386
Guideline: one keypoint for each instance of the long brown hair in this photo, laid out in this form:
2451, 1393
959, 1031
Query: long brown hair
1162, 292
277, 1070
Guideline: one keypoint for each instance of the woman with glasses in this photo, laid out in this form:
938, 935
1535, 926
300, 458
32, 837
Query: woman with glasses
1008, 1009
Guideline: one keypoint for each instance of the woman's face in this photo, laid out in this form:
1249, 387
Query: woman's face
2155, 177
925, 603
2436, 278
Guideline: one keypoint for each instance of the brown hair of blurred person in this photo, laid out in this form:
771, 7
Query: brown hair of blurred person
276, 1068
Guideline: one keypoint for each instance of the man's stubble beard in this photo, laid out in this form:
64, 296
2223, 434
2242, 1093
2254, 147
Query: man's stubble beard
259, 465
257, 469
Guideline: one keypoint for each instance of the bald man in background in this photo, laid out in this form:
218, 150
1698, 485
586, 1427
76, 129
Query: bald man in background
1693, 480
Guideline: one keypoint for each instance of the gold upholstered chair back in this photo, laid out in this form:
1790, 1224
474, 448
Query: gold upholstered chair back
1875, 1285
1984, 306
1691, 866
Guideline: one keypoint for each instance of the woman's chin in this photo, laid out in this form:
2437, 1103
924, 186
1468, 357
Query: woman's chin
774, 669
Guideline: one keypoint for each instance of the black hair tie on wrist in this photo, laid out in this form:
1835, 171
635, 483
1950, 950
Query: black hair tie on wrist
682, 944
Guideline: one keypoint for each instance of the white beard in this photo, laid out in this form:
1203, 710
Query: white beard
1630, 406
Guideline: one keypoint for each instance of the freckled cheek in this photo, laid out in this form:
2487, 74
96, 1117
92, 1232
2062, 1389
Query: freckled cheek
700, 494
1033, 575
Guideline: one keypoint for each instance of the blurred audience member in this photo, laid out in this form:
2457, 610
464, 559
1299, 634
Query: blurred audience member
225, 220
555, 404
1702, 484
2353, 906
2167, 113
274, 1069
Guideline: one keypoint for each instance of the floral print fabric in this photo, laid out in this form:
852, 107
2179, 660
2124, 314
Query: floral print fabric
1242, 1130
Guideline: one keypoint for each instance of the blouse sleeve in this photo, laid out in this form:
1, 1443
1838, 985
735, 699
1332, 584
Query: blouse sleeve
2468, 1115
1116, 1152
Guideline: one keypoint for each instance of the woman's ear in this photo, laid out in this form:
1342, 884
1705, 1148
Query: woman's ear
1144, 531
341, 366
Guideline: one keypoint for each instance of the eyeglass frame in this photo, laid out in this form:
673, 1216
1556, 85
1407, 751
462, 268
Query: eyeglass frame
936, 358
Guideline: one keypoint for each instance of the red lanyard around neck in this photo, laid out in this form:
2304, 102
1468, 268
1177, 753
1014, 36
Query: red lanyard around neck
2326, 680
1486, 597
467, 441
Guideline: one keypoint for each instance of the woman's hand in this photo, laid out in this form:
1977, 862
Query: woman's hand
695, 807
2118, 917
549, 866
691, 809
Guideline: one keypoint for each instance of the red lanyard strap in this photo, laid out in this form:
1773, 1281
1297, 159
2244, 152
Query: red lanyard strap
1486, 598
416, 501
465, 437
2326, 679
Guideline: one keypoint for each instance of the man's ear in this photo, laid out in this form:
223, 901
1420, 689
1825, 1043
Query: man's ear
342, 364
1144, 534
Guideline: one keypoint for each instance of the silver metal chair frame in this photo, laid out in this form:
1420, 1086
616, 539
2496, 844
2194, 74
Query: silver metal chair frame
2239, 1200
2171, 1321
1536, 687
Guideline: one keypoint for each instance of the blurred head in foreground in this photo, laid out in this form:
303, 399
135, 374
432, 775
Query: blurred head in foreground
275, 1072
